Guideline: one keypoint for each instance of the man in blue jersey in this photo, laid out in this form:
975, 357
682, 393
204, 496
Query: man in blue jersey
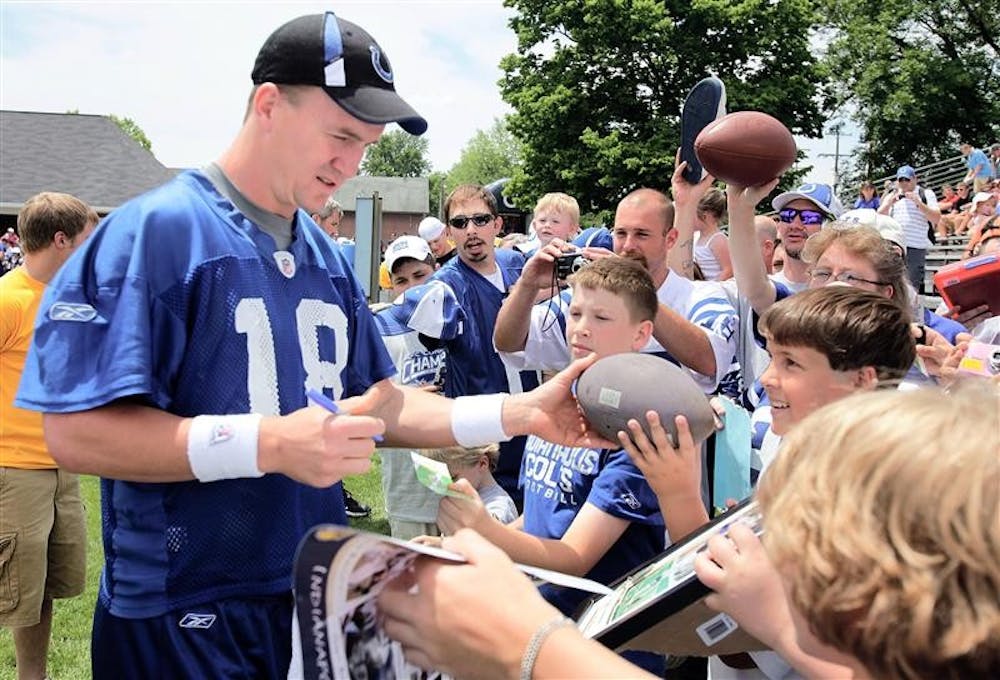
180, 375
481, 277
693, 327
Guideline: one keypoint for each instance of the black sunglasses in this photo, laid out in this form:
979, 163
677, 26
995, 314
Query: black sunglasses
460, 221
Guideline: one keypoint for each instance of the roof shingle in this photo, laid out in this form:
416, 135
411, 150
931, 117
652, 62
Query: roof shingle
84, 155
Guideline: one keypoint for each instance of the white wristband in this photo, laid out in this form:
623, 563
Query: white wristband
478, 420
224, 447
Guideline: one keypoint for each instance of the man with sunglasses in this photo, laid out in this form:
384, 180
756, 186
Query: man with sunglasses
915, 208
480, 276
802, 212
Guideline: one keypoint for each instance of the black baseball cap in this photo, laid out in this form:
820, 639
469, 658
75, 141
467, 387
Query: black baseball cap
343, 59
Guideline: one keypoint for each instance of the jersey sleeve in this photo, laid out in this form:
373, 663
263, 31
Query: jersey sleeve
621, 491
98, 325
546, 348
369, 361
714, 314
431, 309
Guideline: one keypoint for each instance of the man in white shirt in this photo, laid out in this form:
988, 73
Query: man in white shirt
913, 207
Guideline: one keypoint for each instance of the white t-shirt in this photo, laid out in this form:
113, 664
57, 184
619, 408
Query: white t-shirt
498, 503
914, 224
703, 303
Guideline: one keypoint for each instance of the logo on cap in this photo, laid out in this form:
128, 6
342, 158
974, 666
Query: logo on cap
383, 73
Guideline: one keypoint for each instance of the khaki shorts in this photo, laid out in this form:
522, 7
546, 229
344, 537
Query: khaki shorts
43, 542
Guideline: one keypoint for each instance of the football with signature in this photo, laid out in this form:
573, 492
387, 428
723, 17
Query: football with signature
620, 387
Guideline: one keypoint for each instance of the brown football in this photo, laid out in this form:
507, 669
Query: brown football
748, 148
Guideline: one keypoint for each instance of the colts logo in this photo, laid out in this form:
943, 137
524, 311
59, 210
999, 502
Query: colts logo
383, 72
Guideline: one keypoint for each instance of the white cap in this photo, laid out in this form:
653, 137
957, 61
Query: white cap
430, 228
887, 227
406, 246
980, 197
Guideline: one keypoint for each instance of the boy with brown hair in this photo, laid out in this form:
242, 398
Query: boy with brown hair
43, 536
825, 344
587, 511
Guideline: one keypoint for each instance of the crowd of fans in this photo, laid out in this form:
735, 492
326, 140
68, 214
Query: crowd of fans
873, 445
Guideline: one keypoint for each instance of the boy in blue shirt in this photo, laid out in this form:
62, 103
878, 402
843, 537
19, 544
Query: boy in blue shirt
586, 511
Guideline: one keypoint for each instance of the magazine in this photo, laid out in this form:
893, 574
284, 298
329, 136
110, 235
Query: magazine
339, 572
658, 607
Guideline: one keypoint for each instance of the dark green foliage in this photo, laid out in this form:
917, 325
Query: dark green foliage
919, 76
397, 154
597, 86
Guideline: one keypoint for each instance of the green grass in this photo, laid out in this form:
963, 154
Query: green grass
69, 651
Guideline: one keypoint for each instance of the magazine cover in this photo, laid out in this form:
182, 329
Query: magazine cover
339, 572
659, 607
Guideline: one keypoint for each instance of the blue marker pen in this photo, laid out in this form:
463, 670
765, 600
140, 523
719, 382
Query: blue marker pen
330, 405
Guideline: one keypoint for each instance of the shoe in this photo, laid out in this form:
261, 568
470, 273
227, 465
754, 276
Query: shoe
353, 507
705, 104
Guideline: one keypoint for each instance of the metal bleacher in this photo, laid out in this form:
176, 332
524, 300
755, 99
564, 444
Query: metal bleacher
933, 176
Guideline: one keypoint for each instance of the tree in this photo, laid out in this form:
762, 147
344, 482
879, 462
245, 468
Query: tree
490, 155
919, 76
397, 154
436, 191
132, 129
597, 85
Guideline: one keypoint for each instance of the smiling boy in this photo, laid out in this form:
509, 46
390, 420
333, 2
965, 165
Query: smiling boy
825, 344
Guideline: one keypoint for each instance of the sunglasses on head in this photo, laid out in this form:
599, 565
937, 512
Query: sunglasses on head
807, 216
460, 221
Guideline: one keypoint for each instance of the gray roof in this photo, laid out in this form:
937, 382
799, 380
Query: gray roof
84, 155
399, 194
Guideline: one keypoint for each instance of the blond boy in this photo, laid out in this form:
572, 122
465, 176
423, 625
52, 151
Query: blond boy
901, 575
477, 465
556, 215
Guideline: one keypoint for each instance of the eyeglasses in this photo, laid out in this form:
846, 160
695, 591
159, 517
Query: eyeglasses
788, 216
850, 278
480, 220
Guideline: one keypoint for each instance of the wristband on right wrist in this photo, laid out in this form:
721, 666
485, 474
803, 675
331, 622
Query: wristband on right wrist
478, 420
223, 447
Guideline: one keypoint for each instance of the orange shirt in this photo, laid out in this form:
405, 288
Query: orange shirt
22, 444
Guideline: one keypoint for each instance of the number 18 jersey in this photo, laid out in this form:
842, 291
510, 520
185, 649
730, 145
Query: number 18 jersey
180, 301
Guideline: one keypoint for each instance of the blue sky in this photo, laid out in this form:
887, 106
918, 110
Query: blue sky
181, 70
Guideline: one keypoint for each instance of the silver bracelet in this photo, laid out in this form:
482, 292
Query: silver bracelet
535, 643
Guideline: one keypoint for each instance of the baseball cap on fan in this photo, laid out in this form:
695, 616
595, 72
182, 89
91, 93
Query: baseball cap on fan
820, 195
343, 59
406, 246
